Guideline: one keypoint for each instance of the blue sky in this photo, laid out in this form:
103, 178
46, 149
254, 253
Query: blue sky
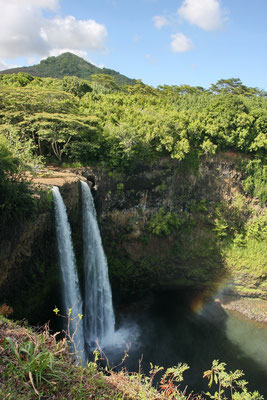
172, 42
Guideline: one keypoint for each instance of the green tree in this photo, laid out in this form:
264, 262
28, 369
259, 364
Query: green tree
104, 81
76, 86
16, 199
232, 86
55, 133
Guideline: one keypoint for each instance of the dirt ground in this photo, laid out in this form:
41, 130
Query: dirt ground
51, 176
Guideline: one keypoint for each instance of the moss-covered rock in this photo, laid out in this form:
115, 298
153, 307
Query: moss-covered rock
165, 225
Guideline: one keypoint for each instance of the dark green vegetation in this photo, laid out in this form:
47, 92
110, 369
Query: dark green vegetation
77, 122
16, 196
69, 64
171, 226
35, 365
185, 196
73, 120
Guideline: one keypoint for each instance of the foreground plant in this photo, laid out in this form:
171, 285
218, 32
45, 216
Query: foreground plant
228, 381
73, 321
35, 365
35, 362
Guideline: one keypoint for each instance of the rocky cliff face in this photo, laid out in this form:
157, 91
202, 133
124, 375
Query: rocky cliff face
28, 265
29, 271
159, 226
155, 228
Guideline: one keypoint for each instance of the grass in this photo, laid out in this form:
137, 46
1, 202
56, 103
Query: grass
248, 265
34, 365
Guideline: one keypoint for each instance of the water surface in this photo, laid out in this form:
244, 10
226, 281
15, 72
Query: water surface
171, 330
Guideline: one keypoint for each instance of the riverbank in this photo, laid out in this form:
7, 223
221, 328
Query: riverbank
254, 309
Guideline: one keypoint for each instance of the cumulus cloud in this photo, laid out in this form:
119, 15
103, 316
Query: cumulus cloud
160, 21
206, 14
4, 65
181, 43
24, 31
57, 52
47, 4
77, 34
20, 30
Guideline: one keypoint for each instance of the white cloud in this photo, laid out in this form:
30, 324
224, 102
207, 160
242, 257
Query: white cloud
206, 14
25, 32
73, 33
181, 43
57, 52
20, 30
46, 4
160, 21
4, 65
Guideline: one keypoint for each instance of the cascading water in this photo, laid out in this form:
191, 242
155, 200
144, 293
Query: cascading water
70, 284
99, 318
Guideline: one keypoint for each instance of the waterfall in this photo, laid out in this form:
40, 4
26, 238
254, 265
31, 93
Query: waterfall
99, 318
70, 284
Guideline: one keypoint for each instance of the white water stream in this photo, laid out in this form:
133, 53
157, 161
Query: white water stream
99, 320
70, 283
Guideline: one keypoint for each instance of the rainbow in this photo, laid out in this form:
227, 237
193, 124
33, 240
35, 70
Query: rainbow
200, 299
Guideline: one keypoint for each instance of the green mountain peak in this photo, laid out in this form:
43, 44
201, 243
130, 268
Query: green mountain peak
69, 64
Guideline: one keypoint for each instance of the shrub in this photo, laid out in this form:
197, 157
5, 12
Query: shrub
164, 223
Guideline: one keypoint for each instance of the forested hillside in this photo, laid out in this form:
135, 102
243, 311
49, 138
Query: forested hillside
75, 122
199, 154
71, 119
68, 64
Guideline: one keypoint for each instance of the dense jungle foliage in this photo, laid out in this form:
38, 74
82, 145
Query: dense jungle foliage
45, 120
77, 122
95, 121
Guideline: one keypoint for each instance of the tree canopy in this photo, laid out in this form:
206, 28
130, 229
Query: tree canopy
71, 119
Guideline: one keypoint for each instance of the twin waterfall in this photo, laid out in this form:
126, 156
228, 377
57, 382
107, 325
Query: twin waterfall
69, 278
99, 318
97, 324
